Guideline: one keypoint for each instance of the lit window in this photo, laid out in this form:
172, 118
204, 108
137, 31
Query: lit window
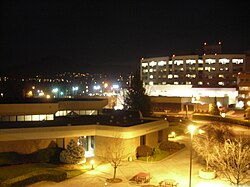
170, 62
237, 61
200, 61
200, 83
151, 83
221, 76
151, 70
153, 63
176, 76
221, 83
151, 76
188, 83
208, 69
189, 61
178, 62
161, 63
176, 83
223, 61
170, 76
246, 88
210, 61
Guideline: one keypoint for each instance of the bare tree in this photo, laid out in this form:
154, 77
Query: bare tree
203, 146
232, 159
114, 154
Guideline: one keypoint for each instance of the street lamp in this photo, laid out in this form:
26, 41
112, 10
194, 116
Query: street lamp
191, 129
92, 162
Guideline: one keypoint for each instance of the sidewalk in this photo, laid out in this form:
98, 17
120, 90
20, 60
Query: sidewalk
174, 167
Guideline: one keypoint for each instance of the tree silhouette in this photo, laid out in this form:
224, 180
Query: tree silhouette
135, 97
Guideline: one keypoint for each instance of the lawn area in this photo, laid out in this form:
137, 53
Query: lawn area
8, 172
155, 157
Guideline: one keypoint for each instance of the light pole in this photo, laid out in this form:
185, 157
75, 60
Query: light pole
191, 129
92, 162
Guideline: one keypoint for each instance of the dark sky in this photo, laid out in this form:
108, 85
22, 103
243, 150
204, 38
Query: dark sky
48, 36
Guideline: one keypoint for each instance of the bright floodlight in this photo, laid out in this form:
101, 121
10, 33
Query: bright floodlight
115, 86
75, 88
97, 87
55, 90
191, 129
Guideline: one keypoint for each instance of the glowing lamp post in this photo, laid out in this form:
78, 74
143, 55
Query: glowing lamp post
92, 162
191, 129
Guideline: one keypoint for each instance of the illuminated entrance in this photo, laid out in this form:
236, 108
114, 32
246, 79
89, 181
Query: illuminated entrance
88, 143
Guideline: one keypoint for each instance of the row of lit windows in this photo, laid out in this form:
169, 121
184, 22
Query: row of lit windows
77, 112
221, 83
191, 61
170, 76
209, 69
40, 117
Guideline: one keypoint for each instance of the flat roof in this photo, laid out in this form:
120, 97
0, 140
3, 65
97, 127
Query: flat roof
107, 120
45, 100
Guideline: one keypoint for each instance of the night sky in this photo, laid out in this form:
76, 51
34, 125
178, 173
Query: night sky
48, 36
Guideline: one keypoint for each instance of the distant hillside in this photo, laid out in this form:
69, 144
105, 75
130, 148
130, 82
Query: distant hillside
55, 65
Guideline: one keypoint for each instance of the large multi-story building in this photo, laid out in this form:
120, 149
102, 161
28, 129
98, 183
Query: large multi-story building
210, 70
208, 74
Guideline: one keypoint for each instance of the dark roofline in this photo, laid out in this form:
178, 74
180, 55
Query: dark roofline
43, 100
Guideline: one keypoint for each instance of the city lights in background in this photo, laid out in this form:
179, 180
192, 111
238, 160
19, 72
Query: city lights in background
97, 87
91, 86
75, 88
55, 90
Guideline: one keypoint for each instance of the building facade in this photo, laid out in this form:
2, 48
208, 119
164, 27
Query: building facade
243, 81
207, 70
27, 127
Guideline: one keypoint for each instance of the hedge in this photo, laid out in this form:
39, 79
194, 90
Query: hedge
47, 155
35, 176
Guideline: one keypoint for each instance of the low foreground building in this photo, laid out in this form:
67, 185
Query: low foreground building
29, 125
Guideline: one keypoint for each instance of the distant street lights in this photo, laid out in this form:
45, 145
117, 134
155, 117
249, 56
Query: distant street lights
55, 91
74, 90
191, 129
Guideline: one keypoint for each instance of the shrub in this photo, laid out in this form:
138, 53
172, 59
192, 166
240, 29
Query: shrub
10, 158
35, 176
47, 155
143, 151
73, 154
170, 146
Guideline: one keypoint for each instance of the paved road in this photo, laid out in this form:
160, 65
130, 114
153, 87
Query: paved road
174, 167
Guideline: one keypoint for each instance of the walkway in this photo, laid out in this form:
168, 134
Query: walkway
175, 167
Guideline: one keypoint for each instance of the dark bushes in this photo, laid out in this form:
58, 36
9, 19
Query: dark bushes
47, 155
143, 151
171, 146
